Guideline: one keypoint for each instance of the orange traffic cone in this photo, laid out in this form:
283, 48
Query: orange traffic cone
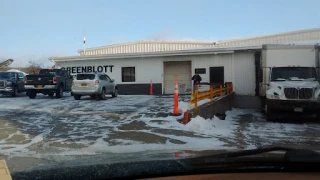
186, 117
176, 98
151, 89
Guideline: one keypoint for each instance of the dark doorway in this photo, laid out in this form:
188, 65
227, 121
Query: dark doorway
217, 75
258, 71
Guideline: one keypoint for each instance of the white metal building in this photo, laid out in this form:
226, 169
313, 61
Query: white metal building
134, 65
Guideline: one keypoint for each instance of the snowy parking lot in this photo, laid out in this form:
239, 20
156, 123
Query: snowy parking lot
48, 129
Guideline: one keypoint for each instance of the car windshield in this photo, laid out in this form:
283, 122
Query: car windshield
86, 76
119, 81
7, 75
293, 73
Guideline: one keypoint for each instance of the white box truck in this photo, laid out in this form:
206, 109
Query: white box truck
290, 80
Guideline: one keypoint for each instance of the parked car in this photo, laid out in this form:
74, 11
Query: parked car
11, 83
48, 82
95, 85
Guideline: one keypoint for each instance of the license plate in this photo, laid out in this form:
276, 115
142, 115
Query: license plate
83, 84
298, 109
39, 87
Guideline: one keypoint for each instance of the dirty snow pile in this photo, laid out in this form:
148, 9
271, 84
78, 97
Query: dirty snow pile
215, 126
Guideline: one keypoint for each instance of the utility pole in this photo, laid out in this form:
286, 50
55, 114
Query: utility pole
84, 42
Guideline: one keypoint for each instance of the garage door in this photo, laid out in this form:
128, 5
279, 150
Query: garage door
179, 69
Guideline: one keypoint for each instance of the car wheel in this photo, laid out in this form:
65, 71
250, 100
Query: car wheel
59, 91
51, 94
102, 95
15, 92
115, 93
77, 97
32, 94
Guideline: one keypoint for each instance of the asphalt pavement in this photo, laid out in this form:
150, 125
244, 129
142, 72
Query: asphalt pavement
45, 130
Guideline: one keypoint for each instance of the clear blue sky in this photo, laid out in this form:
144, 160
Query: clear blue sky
36, 29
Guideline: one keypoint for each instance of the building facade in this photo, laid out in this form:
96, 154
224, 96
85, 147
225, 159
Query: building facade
134, 66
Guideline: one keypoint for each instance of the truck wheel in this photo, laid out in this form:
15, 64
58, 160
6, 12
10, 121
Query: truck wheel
318, 116
270, 114
32, 94
115, 93
51, 94
59, 91
15, 92
102, 95
76, 97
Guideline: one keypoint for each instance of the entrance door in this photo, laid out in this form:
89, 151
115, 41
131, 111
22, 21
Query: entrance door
217, 75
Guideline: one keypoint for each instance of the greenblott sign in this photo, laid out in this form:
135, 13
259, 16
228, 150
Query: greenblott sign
88, 69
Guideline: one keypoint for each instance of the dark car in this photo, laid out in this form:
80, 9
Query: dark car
48, 82
11, 83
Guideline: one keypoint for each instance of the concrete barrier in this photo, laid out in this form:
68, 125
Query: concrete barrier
215, 108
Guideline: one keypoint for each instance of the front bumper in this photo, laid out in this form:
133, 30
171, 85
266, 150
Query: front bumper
6, 90
45, 87
290, 105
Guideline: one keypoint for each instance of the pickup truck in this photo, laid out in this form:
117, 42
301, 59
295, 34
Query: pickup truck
48, 82
11, 83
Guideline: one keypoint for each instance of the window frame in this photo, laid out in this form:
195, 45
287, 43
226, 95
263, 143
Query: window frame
132, 78
102, 77
21, 75
200, 69
108, 78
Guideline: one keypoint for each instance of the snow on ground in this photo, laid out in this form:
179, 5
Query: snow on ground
51, 128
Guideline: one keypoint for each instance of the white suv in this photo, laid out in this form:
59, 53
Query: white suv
95, 85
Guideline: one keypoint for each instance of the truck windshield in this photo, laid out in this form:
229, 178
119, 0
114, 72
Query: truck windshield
54, 72
293, 73
85, 76
7, 75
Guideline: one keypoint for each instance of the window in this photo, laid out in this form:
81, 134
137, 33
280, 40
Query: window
21, 75
86, 76
200, 71
128, 74
103, 77
108, 78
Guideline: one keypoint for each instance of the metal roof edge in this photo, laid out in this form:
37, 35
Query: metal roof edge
150, 41
286, 46
156, 54
267, 35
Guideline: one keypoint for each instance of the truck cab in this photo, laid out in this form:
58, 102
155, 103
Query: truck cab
292, 89
11, 83
48, 82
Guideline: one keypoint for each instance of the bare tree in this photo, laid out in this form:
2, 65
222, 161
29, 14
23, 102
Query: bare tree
34, 67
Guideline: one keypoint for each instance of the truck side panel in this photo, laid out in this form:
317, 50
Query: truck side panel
291, 57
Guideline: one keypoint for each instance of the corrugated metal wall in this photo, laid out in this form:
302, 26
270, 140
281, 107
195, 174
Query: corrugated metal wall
207, 61
296, 36
146, 69
244, 73
238, 68
144, 47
